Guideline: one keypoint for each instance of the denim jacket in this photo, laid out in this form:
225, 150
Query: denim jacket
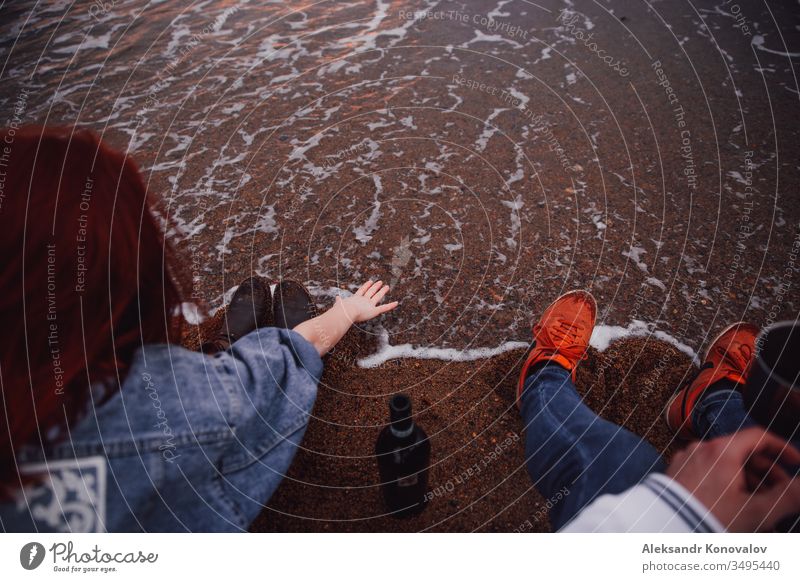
189, 443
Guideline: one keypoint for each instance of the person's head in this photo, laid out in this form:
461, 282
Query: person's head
86, 278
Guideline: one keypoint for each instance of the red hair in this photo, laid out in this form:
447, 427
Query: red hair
87, 278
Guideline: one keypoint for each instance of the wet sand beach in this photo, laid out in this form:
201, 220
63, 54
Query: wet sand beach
481, 157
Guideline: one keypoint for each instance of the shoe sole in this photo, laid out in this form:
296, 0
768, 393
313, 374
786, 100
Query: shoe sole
665, 416
277, 298
268, 299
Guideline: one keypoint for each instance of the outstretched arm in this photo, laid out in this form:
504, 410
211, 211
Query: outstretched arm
325, 331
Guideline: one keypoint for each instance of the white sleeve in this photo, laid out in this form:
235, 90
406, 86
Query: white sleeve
657, 504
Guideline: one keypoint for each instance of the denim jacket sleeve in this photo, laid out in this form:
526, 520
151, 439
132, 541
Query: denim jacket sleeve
290, 368
163, 452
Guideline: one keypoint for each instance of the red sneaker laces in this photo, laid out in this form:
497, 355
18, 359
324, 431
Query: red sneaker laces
737, 354
566, 334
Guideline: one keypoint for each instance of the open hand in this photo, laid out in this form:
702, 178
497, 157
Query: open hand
364, 304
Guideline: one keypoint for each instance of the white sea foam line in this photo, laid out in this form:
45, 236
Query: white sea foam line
758, 42
602, 337
387, 352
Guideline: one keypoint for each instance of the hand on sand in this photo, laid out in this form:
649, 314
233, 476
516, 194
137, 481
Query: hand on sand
365, 303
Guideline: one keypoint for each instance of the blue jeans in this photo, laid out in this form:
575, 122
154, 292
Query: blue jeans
574, 456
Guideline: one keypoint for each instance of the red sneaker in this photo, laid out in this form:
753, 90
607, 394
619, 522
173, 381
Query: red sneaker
562, 334
729, 356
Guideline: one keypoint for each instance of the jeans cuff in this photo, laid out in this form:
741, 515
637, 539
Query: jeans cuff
716, 397
719, 413
548, 372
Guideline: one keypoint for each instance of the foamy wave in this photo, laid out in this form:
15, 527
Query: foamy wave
602, 337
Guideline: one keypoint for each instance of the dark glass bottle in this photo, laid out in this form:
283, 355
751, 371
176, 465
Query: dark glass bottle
403, 452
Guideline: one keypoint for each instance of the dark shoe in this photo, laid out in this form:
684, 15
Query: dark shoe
728, 358
248, 310
562, 334
292, 305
